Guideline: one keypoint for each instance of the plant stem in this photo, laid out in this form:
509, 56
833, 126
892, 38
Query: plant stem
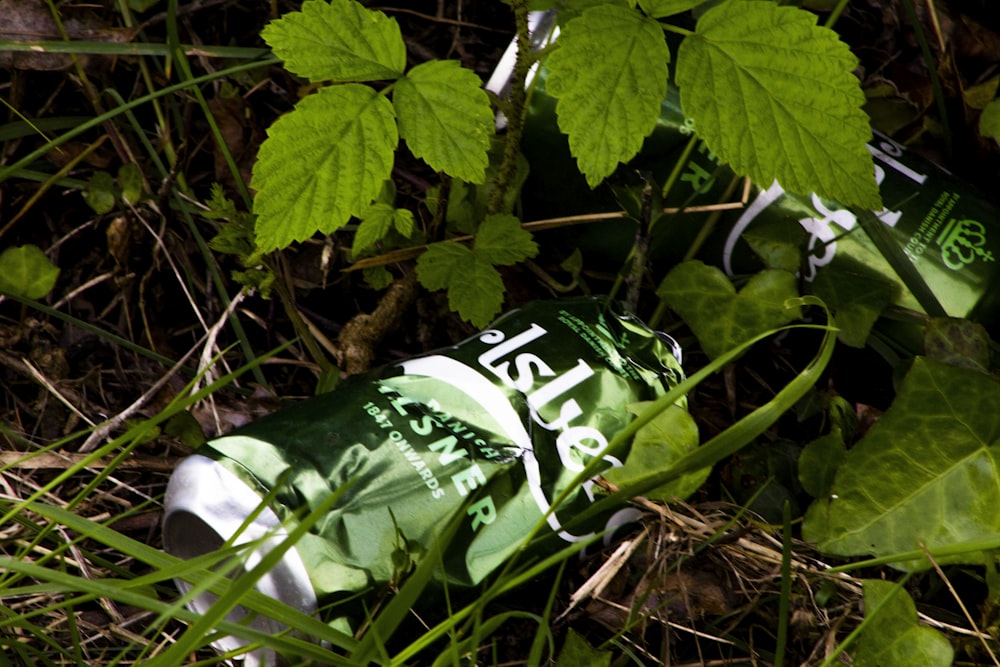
518, 104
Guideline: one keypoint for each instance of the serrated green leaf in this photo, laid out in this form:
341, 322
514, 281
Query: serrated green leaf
100, 194
989, 120
322, 163
927, 473
339, 40
378, 221
502, 240
445, 118
893, 637
659, 9
720, 318
26, 271
377, 277
609, 74
475, 289
664, 440
773, 94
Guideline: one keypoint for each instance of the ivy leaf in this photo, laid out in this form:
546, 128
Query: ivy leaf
893, 637
475, 288
340, 40
502, 240
928, 472
667, 438
378, 221
989, 120
819, 460
659, 9
857, 295
322, 163
958, 342
26, 271
445, 118
609, 74
576, 652
720, 318
773, 95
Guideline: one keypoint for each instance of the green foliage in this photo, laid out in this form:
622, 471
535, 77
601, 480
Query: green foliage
236, 237
445, 118
26, 271
377, 222
657, 445
722, 319
892, 636
322, 164
989, 120
957, 342
925, 474
475, 288
103, 193
858, 296
774, 95
608, 104
339, 41
576, 652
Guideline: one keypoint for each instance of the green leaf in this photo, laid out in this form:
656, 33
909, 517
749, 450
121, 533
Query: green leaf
989, 120
475, 289
378, 221
773, 94
819, 460
926, 473
722, 319
100, 194
609, 74
26, 271
778, 244
576, 652
322, 163
666, 439
130, 180
958, 342
502, 240
339, 41
857, 295
893, 637
445, 118
659, 9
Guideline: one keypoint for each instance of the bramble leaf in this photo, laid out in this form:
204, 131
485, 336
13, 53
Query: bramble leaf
659, 9
339, 40
26, 271
667, 438
720, 318
502, 240
927, 473
445, 118
609, 74
773, 94
475, 288
893, 637
322, 163
378, 221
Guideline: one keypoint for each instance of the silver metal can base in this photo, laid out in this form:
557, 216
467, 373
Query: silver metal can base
205, 507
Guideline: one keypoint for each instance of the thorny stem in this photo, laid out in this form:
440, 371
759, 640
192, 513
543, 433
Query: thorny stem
518, 100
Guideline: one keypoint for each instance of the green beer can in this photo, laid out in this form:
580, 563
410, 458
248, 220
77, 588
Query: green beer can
492, 430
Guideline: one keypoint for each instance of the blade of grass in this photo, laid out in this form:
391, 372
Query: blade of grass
83, 47
784, 602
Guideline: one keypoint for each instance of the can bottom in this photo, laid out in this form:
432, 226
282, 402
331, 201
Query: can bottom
206, 505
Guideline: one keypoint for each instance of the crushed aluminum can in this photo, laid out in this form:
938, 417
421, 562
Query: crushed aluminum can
494, 428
